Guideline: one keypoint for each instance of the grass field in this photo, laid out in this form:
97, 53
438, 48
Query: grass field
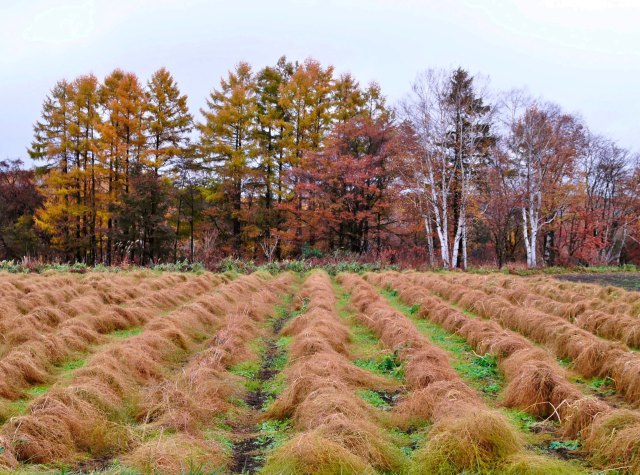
302, 373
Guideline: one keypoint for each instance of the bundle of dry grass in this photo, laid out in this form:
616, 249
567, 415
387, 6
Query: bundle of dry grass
476, 442
446, 397
177, 455
311, 453
189, 403
319, 329
7, 457
530, 464
101, 394
615, 438
330, 410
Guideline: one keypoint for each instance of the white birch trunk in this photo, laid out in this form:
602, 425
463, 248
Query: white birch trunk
429, 230
456, 241
464, 242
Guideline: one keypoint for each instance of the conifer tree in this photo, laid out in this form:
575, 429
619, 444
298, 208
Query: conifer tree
271, 135
86, 122
168, 124
308, 104
348, 98
168, 121
469, 141
56, 141
123, 142
227, 143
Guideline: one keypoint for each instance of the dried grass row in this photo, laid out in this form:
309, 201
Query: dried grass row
188, 403
466, 435
87, 415
606, 321
87, 296
535, 382
590, 355
54, 289
339, 431
20, 297
584, 296
34, 361
611, 436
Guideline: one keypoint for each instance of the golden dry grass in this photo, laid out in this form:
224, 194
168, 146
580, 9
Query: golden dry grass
81, 416
591, 356
33, 361
320, 397
466, 435
535, 383
154, 395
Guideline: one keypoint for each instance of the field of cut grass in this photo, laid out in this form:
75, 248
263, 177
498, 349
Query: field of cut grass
305, 373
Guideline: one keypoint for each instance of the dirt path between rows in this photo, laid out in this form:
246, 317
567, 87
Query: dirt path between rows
249, 450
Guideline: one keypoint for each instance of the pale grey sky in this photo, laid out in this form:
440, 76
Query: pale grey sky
582, 54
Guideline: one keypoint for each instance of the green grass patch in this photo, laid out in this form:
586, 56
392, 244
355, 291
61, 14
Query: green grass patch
280, 361
603, 387
524, 421
384, 365
361, 336
374, 398
282, 311
480, 371
35, 391
274, 433
273, 388
249, 371
564, 445
601, 383
365, 344
564, 362
9, 409
126, 333
409, 441
221, 438
69, 366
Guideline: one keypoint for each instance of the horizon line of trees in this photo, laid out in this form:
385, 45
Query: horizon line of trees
294, 160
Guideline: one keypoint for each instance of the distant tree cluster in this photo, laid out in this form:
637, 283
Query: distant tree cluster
294, 160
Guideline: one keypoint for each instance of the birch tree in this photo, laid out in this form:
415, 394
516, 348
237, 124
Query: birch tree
543, 142
451, 124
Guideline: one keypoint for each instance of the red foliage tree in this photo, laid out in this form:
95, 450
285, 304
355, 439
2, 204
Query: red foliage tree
344, 189
19, 199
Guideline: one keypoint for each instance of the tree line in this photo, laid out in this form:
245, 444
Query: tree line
294, 160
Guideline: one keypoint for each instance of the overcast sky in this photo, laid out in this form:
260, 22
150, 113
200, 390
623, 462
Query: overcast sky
582, 54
